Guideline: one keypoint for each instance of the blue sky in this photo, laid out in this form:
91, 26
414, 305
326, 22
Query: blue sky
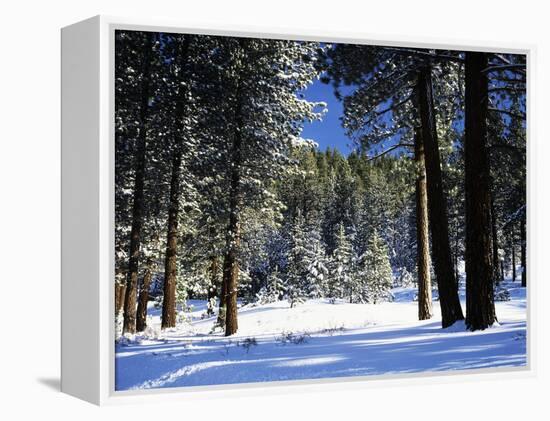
329, 132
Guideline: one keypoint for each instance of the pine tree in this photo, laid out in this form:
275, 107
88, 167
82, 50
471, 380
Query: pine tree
317, 275
217, 194
182, 148
393, 91
506, 134
480, 307
264, 120
143, 298
297, 263
376, 271
341, 281
447, 284
274, 289
422, 236
342, 202
143, 89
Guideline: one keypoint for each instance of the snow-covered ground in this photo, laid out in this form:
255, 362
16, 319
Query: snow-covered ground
319, 340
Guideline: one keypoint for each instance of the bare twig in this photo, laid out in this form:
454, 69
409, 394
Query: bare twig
521, 116
503, 67
391, 148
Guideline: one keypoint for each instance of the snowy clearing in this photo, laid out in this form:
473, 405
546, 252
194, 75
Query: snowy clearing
319, 340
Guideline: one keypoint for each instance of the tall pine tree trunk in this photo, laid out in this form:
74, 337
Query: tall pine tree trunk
214, 267
451, 310
480, 307
455, 258
422, 233
523, 250
498, 275
231, 267
170, 265
172, 237
213, 290
231, 261
120, 292
141, 320
223, 303
138, 199
513, 263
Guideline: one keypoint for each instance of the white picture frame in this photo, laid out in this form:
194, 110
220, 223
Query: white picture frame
88, 214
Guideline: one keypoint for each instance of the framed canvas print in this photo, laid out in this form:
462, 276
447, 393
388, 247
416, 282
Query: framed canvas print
247, 208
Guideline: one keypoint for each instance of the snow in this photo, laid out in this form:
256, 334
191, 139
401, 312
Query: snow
318, 339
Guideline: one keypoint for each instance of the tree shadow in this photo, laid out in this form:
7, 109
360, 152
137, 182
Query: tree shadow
353, 352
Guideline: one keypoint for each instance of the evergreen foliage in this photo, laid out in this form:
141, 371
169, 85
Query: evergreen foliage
219, 197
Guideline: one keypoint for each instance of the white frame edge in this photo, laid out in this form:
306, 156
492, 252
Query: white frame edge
80, 246
88, 360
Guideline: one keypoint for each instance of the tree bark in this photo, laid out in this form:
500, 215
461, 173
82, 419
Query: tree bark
451, 310
480, 307
138, 199
223, 303
498, 276
231, 261
422, 233
455, 255
120, 291
141, 320
213, 290
172, 237
523, 251
513, 263
214, 267
170, 265
233, 240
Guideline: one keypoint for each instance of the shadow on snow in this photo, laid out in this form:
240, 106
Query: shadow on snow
358, 352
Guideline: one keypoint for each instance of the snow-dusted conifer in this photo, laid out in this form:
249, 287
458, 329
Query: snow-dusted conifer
297, 263
317, 275
376, 271
341, 273
264, 118
273, 291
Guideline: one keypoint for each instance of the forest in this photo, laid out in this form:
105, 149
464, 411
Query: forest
220, 199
